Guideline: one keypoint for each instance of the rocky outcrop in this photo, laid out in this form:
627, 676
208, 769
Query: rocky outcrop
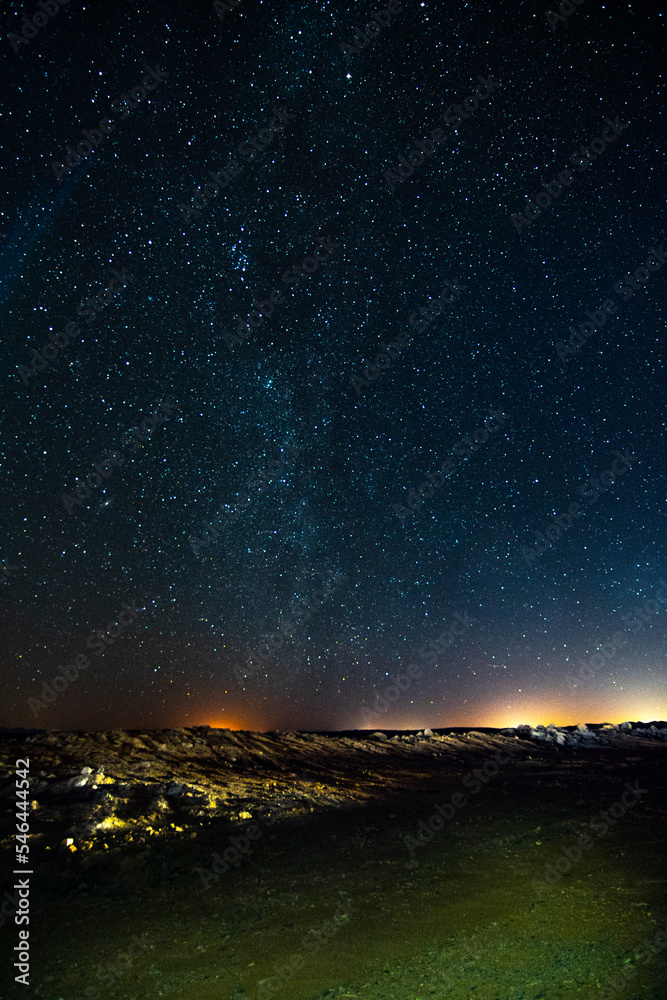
96, 789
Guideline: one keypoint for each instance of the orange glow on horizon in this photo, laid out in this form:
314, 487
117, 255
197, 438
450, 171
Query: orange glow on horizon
587, 711
531, 708
222, 723
561, 712
510, 718
218, 713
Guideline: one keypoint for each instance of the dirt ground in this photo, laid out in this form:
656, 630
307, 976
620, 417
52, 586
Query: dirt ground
349, 900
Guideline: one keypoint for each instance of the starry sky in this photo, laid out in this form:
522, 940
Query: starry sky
244, 319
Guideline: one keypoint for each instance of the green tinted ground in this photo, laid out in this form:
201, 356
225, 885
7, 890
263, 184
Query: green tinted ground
460, 919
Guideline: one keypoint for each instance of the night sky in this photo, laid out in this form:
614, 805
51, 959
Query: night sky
267, 319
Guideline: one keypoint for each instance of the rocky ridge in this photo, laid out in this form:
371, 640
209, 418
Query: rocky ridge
90, 790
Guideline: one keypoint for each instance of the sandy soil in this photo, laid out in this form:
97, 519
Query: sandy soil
208, 864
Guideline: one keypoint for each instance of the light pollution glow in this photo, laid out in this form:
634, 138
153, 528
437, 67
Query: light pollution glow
501, 718
646, 703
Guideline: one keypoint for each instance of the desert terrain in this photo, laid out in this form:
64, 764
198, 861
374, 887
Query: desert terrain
229, 865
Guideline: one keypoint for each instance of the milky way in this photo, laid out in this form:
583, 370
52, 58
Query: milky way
332, 359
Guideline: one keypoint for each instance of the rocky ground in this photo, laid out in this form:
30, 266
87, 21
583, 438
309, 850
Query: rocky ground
120, 787
216, 864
